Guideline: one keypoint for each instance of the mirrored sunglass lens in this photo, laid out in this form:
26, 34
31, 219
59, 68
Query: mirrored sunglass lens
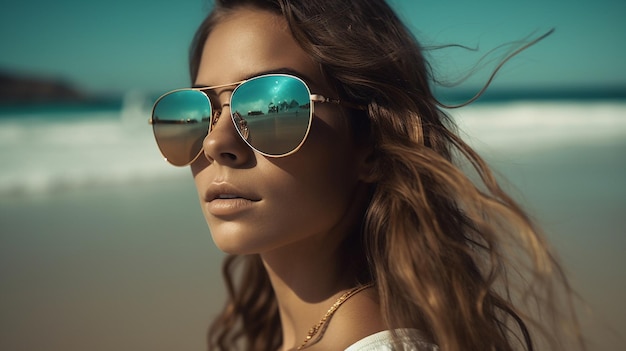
272, 113
180, 121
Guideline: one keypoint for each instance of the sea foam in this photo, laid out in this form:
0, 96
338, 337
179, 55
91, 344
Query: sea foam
61, 152
522, 127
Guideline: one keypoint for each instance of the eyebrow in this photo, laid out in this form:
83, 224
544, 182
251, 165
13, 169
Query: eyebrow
283, 70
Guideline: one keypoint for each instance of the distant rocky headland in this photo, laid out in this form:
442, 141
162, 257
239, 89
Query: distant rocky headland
27, 94
17, 89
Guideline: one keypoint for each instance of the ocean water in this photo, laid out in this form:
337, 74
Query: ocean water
61, 149
103, 246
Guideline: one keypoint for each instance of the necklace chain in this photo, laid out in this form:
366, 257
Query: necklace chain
317, 327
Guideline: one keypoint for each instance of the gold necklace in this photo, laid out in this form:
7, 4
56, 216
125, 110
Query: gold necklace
317, 327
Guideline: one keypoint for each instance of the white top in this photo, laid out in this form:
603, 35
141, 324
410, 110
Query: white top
411, 340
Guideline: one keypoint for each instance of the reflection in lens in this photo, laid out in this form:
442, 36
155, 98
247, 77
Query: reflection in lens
241, 124
272, 113
180, 121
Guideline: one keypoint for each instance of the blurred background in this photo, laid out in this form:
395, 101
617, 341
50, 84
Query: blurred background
103, 245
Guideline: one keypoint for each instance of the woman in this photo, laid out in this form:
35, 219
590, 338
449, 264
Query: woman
325, 168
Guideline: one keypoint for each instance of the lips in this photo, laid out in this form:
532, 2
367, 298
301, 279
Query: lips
226, 191
228, 202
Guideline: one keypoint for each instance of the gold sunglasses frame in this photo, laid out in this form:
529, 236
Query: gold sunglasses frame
314, 98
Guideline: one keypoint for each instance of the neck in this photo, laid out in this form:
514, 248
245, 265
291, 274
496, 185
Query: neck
307, 279
310, 275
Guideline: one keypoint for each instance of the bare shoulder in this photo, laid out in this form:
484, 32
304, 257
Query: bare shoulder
354, 320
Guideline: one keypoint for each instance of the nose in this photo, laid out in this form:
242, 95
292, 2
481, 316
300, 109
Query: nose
223, 145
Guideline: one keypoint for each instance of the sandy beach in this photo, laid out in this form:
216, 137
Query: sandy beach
109, 268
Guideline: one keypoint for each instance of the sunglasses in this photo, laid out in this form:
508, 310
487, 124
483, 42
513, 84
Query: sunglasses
272, 114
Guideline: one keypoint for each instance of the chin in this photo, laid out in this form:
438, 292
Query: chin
247, 243
232, 249
235, 243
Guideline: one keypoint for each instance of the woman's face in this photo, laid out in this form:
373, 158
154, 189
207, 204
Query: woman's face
256, 204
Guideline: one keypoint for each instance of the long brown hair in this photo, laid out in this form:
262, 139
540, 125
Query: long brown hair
461, 259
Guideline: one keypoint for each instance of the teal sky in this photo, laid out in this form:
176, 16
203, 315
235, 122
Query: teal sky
119, 45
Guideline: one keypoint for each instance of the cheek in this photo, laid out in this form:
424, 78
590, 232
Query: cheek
319, 183
324, 170
197, 166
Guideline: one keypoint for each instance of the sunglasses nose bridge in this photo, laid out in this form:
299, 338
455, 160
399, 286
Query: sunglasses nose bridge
223, 142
